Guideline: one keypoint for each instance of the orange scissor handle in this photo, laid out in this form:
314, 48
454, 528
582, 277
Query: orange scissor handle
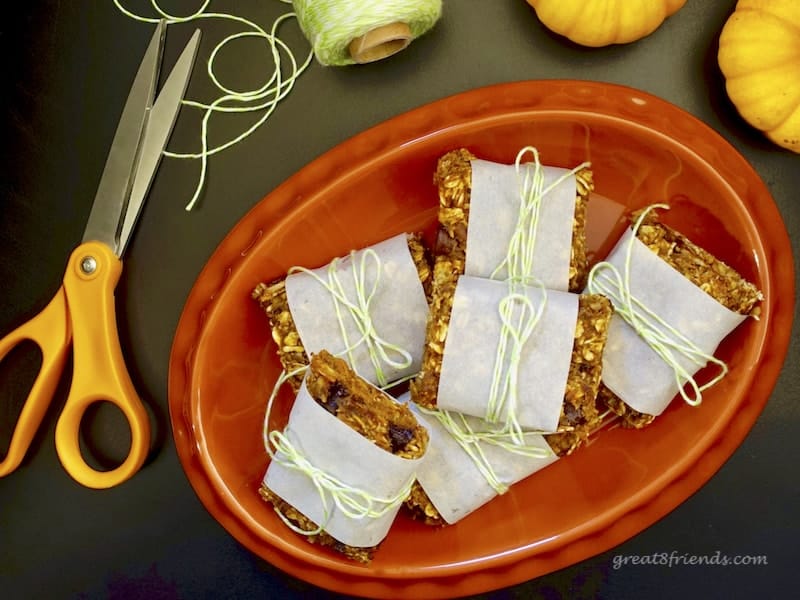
99, 368
51, 331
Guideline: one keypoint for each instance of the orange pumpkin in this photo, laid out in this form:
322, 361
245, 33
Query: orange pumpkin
604, 22
759, 55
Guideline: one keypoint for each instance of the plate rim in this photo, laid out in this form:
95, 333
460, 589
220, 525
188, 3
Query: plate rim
399, 131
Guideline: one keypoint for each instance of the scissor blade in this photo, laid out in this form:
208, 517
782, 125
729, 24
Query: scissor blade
159, 127
105, 219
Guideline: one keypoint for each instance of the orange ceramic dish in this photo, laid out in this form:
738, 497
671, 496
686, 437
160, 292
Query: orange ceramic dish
379, 183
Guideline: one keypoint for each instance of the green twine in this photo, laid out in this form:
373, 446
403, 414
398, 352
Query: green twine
266, 97
519, 319
353, 502
518, 314
532, 190
663, 338
458, 427
331, 25
359, 308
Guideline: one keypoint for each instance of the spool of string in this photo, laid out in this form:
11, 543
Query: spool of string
341, 32
344, 32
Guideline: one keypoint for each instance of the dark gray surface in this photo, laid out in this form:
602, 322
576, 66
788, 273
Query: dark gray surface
66, 68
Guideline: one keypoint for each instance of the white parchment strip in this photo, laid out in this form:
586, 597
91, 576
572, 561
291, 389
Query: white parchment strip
334, 448
471, 347
494, 209
631, 369
451, 478
399, 310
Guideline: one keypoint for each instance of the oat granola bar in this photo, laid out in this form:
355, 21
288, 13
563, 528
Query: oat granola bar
453, 178
388, 424
710, 274
579, 414
272, 298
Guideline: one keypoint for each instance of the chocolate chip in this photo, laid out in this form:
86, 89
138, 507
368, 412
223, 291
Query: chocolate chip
399, 437
444, 243
335, 393
573, 415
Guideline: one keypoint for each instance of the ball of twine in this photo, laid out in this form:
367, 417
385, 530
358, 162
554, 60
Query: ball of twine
345, 32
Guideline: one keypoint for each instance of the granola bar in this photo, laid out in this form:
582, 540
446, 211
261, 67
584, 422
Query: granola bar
580, 414
273, 300
388, 424
707, 272
453, 178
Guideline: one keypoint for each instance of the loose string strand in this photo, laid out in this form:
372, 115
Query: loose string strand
266, 97
162, 13
280, 89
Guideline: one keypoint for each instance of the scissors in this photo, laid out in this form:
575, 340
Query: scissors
82, 312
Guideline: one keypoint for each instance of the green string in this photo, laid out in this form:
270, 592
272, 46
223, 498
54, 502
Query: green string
663, 338
264, 98
517, 312
353, 502
532, 191
519, 319
458, 427
360, 309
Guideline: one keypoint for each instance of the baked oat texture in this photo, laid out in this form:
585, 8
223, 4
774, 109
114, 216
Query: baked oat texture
271, 297
390, 425
579, 412
699, 266
421, 508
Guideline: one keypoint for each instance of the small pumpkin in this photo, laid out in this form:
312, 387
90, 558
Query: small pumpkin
604, 22
759, 56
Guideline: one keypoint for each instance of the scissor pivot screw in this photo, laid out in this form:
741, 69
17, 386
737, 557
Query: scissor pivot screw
88, 265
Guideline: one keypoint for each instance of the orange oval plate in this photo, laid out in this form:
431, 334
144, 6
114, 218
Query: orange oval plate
379, 183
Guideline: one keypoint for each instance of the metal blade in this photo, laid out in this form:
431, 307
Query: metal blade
114, 189
159, 127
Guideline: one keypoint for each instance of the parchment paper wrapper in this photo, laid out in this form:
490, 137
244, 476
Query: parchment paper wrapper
451, 478
631, 368
472, 340
493, 213
399, 310
334, 448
